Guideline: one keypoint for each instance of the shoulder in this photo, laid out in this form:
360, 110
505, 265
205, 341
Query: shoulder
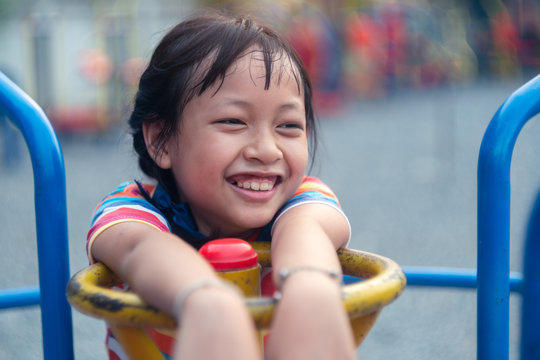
127, 203
314, 191
311, 191
314, 188
132, 189
128, 200
127, 192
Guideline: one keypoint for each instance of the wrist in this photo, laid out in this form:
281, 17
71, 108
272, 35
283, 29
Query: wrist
309, 283
285, 274
199, 290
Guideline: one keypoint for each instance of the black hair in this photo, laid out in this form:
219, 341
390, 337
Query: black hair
192, 57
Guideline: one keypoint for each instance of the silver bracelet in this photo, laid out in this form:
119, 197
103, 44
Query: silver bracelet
182, 296
285, 273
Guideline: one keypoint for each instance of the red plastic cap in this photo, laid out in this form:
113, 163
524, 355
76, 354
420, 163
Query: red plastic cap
229, 254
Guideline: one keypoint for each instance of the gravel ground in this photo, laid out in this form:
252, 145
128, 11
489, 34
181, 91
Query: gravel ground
405, 171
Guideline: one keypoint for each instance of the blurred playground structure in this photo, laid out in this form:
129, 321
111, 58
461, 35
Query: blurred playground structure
81, 60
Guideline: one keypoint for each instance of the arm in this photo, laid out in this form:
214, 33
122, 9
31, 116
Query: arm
158, 265
310, 310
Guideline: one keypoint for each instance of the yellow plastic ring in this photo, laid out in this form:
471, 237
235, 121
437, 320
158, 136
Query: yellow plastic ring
90, 291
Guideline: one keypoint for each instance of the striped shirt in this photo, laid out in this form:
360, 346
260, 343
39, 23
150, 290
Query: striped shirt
130, 203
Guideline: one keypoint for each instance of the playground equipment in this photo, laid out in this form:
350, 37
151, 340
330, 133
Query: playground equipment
51, 223
492, 277
89, 292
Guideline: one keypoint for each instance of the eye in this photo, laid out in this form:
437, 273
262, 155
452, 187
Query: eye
230, 125
230, 122
292, 126
291, 129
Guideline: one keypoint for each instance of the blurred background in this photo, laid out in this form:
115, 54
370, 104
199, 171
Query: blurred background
403, 89
81, 59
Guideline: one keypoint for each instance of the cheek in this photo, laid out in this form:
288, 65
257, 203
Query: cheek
298, 159
302, 163
189, 166
206, 161
198, 149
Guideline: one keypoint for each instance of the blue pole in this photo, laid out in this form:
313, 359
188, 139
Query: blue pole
530, 311
51, 217
19, 297
494, 219
451, 277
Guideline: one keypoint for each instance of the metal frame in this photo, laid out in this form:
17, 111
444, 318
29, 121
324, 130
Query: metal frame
51, 223
493, 304
492, 278
530, 314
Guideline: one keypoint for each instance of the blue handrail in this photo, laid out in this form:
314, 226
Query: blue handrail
530, 312
492, 278
19, 297
494, 219
452, 277
51, 222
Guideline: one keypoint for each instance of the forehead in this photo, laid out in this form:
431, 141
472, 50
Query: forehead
280, 64
266, 71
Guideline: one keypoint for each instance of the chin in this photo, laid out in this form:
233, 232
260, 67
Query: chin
259, 222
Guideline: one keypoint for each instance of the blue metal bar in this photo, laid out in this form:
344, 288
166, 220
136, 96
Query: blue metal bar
51, 217
451, 277
530, 311
445, 277
494, 219
19, 297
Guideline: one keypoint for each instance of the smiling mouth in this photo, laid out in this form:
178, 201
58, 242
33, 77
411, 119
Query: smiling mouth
255, 183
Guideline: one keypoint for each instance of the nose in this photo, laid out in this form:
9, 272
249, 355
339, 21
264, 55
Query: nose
263, 147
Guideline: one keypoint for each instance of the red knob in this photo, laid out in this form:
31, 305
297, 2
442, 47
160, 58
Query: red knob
229, 254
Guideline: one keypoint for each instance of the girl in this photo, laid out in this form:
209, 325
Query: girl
221, 121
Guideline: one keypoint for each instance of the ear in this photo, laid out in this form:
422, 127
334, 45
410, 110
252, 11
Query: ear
160, 154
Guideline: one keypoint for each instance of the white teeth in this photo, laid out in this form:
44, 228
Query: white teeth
255, 186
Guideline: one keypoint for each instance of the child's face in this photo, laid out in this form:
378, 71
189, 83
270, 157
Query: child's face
241, 153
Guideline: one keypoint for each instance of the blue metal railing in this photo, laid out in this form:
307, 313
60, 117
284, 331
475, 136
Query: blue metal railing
452, 277
530, 311
492, 278
51, 223
493, 302
19, 297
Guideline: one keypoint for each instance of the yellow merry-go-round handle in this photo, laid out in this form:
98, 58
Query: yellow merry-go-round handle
90, 291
